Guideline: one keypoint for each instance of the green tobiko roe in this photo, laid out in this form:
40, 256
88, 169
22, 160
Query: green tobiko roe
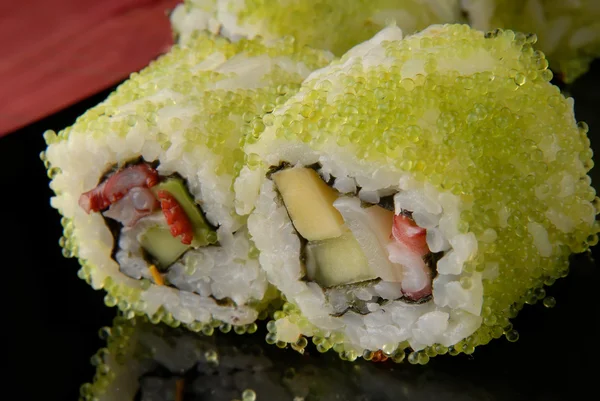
470, 113
568, 31
334, 25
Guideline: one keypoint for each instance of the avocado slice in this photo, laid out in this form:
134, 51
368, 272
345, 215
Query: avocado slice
309, 202
163, 247
203, 233
337, 261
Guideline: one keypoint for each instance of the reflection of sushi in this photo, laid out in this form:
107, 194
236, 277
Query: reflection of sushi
159, 363
153, 362
335, 25
144, 180
418, 192
568, 31
118, 364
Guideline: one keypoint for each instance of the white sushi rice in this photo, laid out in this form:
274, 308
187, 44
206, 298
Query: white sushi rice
451, 315
223, 271
454, 312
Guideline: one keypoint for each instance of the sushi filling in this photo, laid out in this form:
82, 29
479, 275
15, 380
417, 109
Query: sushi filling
154, 219
362, 250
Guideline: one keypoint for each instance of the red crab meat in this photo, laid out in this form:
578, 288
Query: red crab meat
177, 220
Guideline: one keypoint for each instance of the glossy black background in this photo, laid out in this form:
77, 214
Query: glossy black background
52, 317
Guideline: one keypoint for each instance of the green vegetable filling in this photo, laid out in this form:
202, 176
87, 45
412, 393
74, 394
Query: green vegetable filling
160, 243
337, 261
162, 246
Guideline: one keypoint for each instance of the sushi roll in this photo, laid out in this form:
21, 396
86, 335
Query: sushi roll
568, 31
144, 181
334, 25
416, 193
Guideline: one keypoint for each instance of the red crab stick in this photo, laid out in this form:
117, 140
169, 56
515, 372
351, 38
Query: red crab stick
408, 233
117, 186
177, 220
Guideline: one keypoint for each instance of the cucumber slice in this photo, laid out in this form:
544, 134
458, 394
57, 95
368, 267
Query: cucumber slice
372, 228
337, 261
163, 247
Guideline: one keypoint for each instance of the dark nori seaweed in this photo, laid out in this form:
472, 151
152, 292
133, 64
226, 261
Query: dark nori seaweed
225, 301
431, 260
423, 300
275, 169
408, 214
317, 167
303, 244
387, 202
355, 285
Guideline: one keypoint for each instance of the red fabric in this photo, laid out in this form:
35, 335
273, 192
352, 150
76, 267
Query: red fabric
57, 52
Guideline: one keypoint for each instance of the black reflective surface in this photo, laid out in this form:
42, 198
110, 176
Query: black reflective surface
223, 367
53, 316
